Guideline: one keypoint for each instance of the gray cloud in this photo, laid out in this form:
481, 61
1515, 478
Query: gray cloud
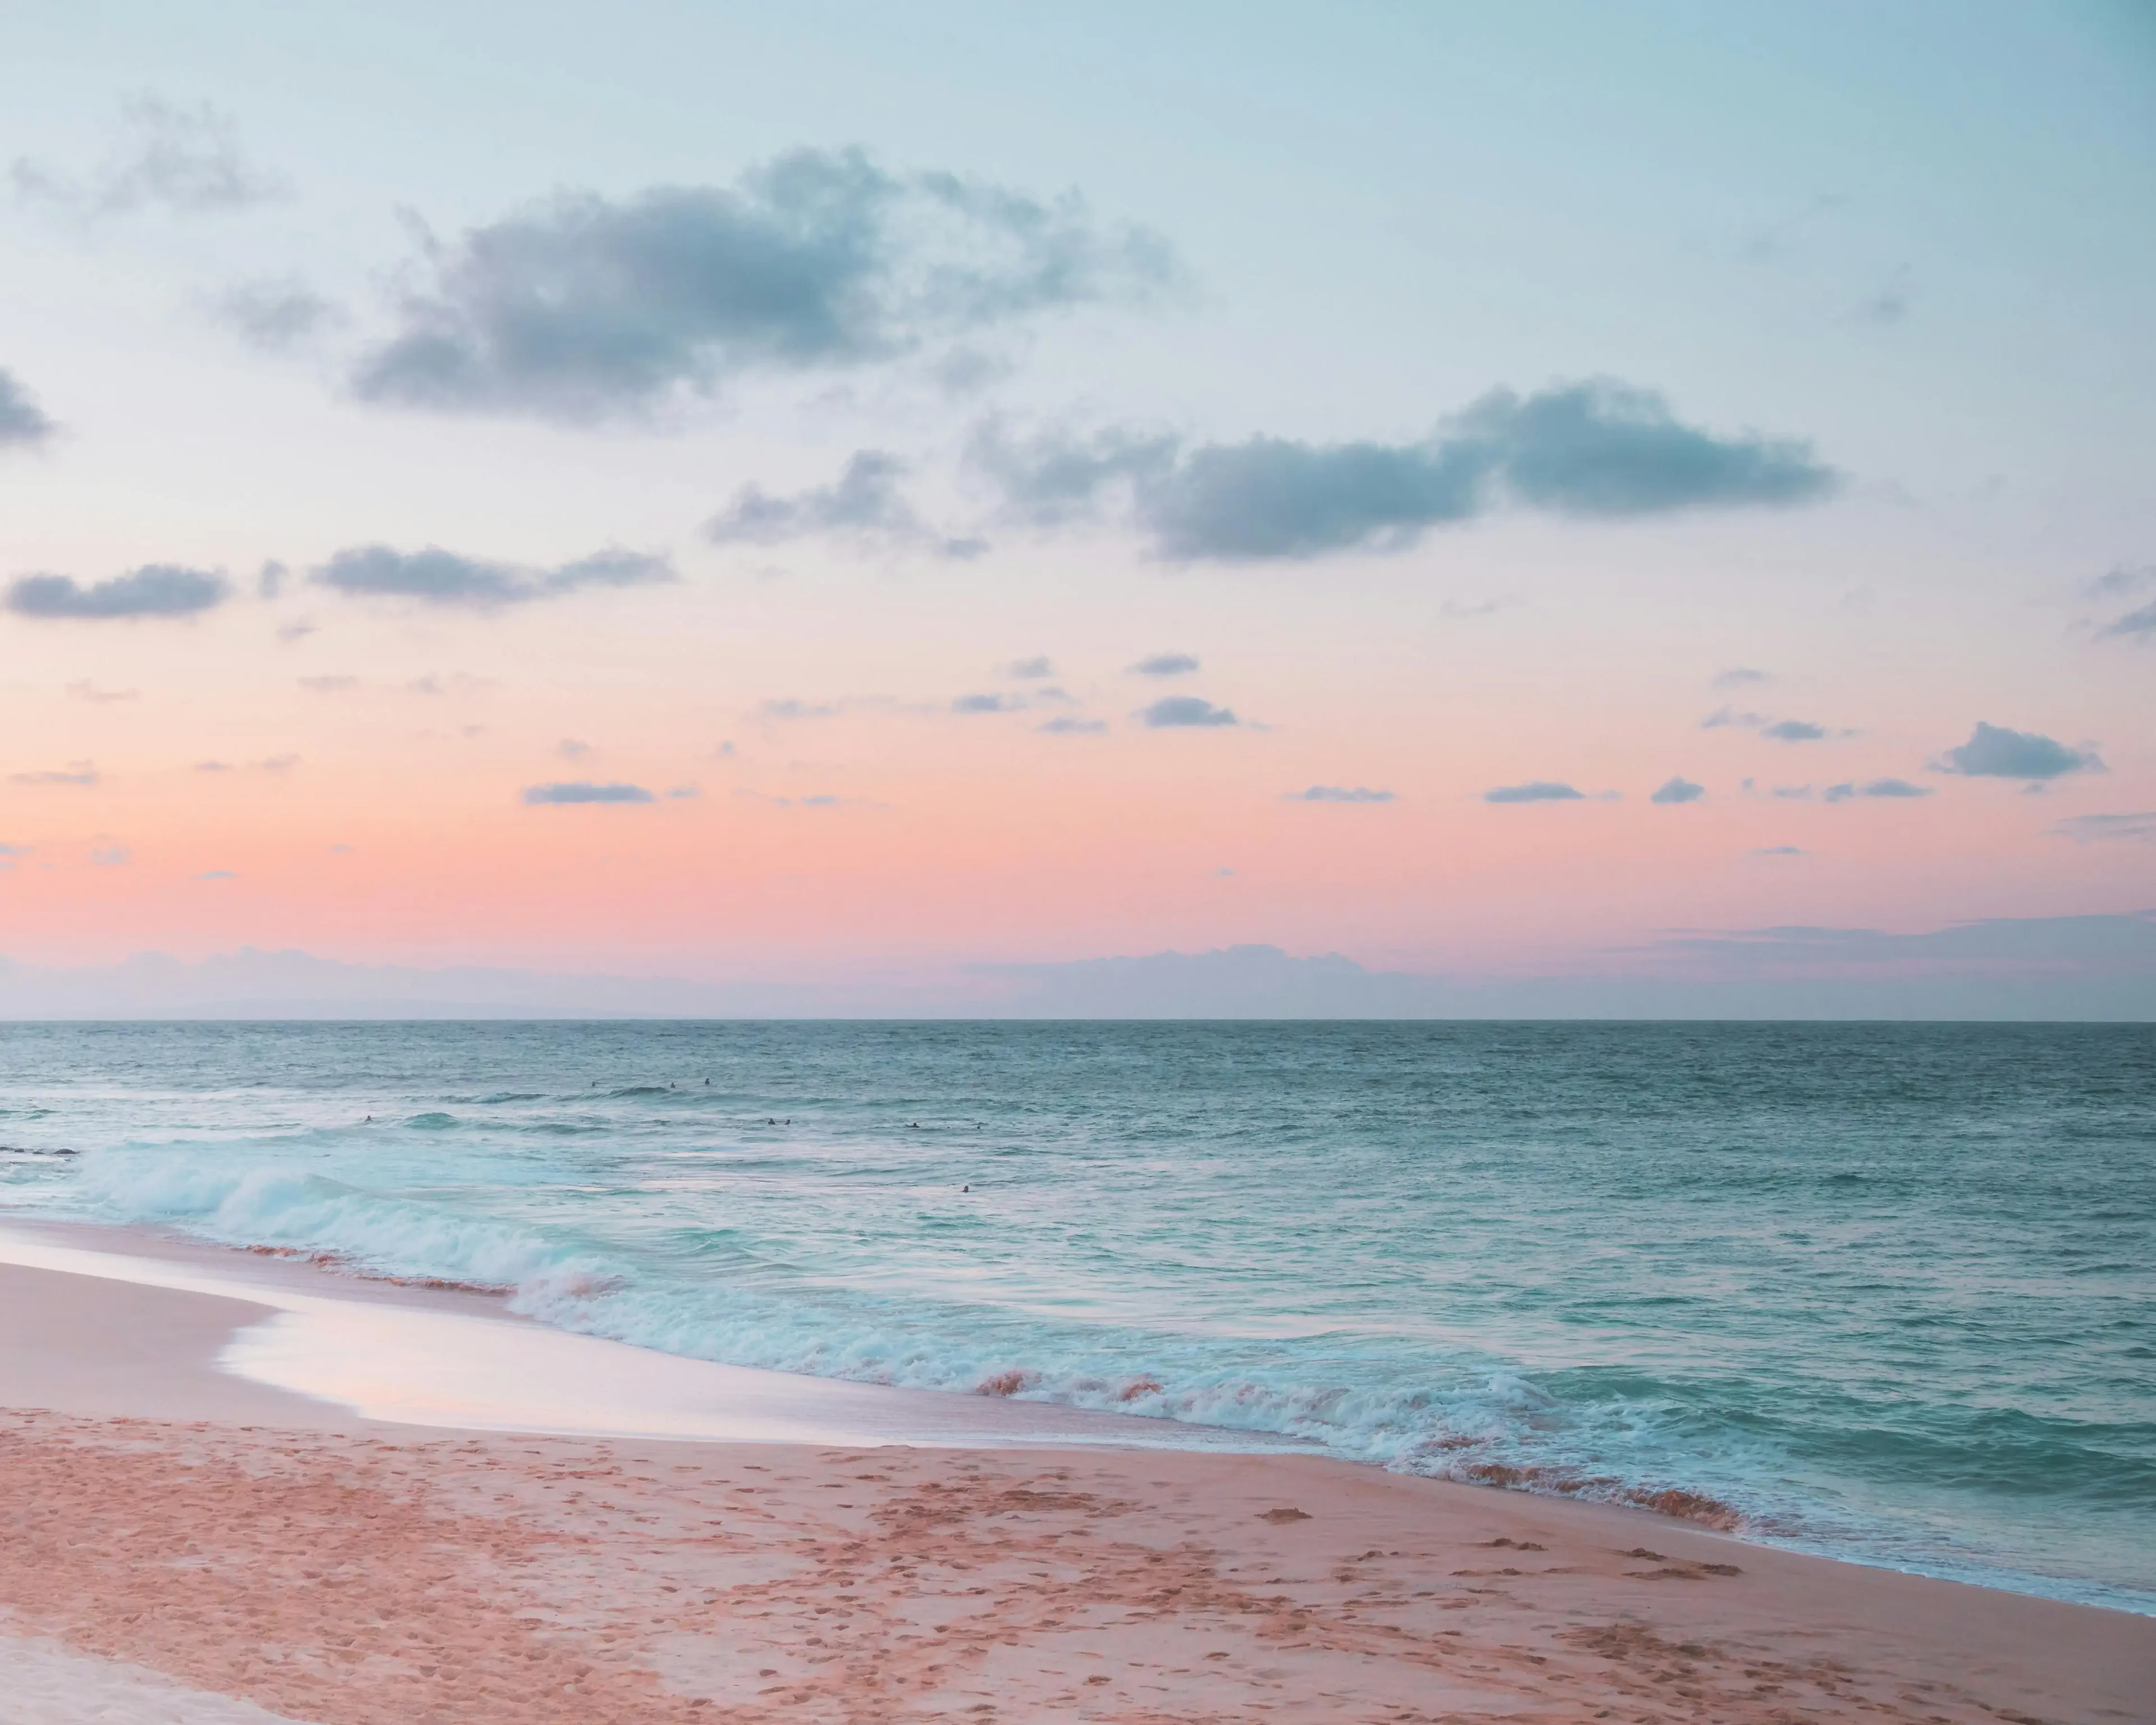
275, 316
1068, 726
2095, 829
443, 577
22, 422
1171, 710
863, 504
584, 307
113, 856
580, 792
1876, 787
1725, 715
1794, 731
1738, 675
1338, 793
185, 159
1598, 450
988, 704
1537, 790
1993, 752
78, 773
1165, 665
217, 875
787, 708
2139, 625
1779, 851
1028, 671
154, 590
1679, 790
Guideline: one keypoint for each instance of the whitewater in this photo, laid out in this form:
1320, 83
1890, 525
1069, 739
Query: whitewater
1879, 1292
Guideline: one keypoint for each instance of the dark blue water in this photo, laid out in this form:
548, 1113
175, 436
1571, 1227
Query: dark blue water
1880, 1291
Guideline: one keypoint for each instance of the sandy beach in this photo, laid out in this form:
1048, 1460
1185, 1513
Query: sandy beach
186, 1543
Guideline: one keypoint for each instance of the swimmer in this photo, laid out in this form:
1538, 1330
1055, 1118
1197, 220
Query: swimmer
965, 1189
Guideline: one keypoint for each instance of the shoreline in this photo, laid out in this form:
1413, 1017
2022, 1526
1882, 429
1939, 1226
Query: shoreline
245, 1541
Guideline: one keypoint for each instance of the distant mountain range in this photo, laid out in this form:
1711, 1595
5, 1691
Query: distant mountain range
2060, 967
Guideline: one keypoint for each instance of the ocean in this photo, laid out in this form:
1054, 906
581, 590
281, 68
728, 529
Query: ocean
1882, 1292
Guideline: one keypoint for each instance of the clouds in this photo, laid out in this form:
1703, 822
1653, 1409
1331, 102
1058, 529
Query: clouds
1993, 752
275, 316
1165, 665
1537, 790
863, 504
1172, 711
1597, 449
1678, 790
23, 424
988, 704
1779, 730
2097, 828
1066, 726
585, 308
154, 590
1887, 787
563, 794
186, 160
437, 576
1738, 676
2135, 625
1338, 793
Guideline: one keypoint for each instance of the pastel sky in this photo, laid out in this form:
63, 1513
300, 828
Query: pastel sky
841, 491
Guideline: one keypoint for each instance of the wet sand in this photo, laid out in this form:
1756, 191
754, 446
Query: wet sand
177, 1534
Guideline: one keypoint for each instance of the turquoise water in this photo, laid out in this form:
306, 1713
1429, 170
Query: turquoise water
1883, 1292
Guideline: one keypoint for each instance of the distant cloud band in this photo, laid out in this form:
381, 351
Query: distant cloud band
154, 590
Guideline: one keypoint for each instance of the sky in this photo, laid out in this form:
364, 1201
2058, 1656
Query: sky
841, 496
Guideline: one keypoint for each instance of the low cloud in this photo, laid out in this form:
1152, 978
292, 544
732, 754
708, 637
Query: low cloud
274, 316
217, 875
1993, 752
1536, 790
23, 422
863, 504
786, 710
1172, 710
436, 577
1029, 670
580, 792
1779, 851
1068, 726
1724, 717
1739, 676
187, 160
112, 856
2101, 829
988, 704
1339, 793
1794, 731
1679, 790
1890, 788
1600, 450
154, 590
584, 308
1165, 665
2139, 625
77, 773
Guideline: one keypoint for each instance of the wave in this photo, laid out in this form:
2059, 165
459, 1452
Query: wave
1490, 1426
1622, 1437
